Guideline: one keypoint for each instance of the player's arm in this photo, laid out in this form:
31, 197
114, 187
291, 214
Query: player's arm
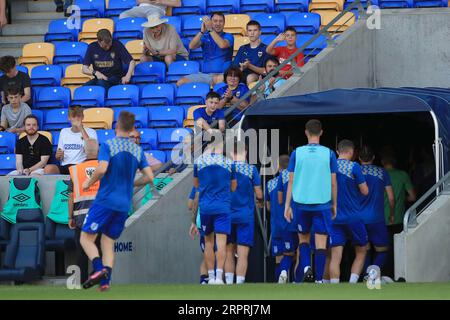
363, 188
196, 182
194, 210
233, 185
147, 177
287, 206
391, 199
334, 193
203, 124
412, 197
221, 42
259, 196
99, 172
280, 197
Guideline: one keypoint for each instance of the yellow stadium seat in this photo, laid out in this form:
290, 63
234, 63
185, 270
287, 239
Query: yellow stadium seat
90, 28
98, 118
46, 134
238, 42
318, 5
135, 48
37, 54
236, 23
74, 77
189, 121
339, 26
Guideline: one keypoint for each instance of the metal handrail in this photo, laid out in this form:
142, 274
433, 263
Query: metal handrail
410, 217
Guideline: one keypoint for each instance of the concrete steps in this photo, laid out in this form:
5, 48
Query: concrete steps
26, 29
41, 6
19, 41
21, 17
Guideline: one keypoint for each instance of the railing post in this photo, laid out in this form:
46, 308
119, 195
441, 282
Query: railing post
412, 223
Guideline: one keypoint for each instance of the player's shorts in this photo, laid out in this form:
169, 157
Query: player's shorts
277, 247
104, 220
202, 243
242, 234
290, 241
218, 223
378, 234
355, 231
305, 220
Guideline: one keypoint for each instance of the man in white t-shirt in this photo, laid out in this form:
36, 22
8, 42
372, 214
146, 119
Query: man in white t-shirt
146, 8
71, 143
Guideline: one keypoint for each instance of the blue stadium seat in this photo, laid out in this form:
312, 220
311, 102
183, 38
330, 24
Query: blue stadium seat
305, 22
129, 29
190, 7
257, 6
53, 97
141, 116
219, 85
91, 8
291, 5
115, 7
158, 154
191, 25
169, 138
105, 134
180, 69
267, 39
58, 236
40, 115
7, 163
314, 48
7, 142
157, 94
149, 138
55, 139
165, 117
123, 96
89, 96
174, 21
22, 69
59, 31
49, 75
271, 23
429, 3
69, 52
149, 72
56, 119
192, 93
196, 54
224, 6
383, 4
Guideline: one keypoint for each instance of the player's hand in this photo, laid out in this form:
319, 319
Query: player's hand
86, 185
208, 23
59, 154
193, 231
228, 94
101, 76
244, 65
333, 212
288, 214
280, 37
72, 224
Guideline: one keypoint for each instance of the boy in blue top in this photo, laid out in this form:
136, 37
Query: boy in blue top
119, 159
242, 215
313, 189
204, 117
347, 224
215, 179
372, 206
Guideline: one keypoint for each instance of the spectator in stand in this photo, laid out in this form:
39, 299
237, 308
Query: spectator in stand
154, 163
14, 78
71, 143
145, 8
251, 57
14, 113
32, 151
107, 57
3, 19
284, 52
204, 117
217, 49
275, 81
162, 42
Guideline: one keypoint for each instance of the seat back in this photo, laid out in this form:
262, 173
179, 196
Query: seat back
91, 8
239, 41
92, 26
123, 95
129, 28
135, 48
7, 163
190, 7
319, 5
191, 25
305, 22
149, 138
37, 53
40, 115
98, 118
46, 134
53, 97
89, 96
149, 72
236, 24
224, 6
347, 20
140, 113
104, 135
257, 5
192, 93
157, 94
70, 52
7, 142
167, 116
179, 69
46, 75
271, 23
56, 119
59, 31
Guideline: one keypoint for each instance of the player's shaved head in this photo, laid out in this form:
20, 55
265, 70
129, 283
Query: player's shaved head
126, 121
284, 161
345, 146
91, 148
314, 127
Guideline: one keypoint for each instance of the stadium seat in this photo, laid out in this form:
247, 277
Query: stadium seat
157, 94
393, 4
74, 77
98, 118
35, 54
176, 22
135, 48
56, 119
91, 8
149, 72
180, 69
158, 154
271, 23
88, 33
189, 121
291, 5
224, 6
7, 163
5, 231
305, 22
69, 52
319, 5
40, 115
22, 69
141, 116
105, 134
46, 76
7, 142
115, 7
314, 48
129, 29
239, 41
149, 138
169, 138
196, 54
46, 134
429, 3
53, 97
339, 26
192, 93
191, 25
190, 7
257, 6
59, 31
165, 117
123, 96
89, 96
236, 24
219, 85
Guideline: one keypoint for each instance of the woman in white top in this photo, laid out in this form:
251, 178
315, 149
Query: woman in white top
146, 8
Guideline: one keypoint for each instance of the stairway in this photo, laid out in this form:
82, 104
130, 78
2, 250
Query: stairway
30, 21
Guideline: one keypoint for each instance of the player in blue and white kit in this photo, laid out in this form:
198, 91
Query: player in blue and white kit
348, 224
215, 179
372, 206
242, 215
313, 189
119, 159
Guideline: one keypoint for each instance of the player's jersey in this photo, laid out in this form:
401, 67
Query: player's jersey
349, 176
277, 221
243, 199
372, 205
215, 173
116, 186
282, 185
